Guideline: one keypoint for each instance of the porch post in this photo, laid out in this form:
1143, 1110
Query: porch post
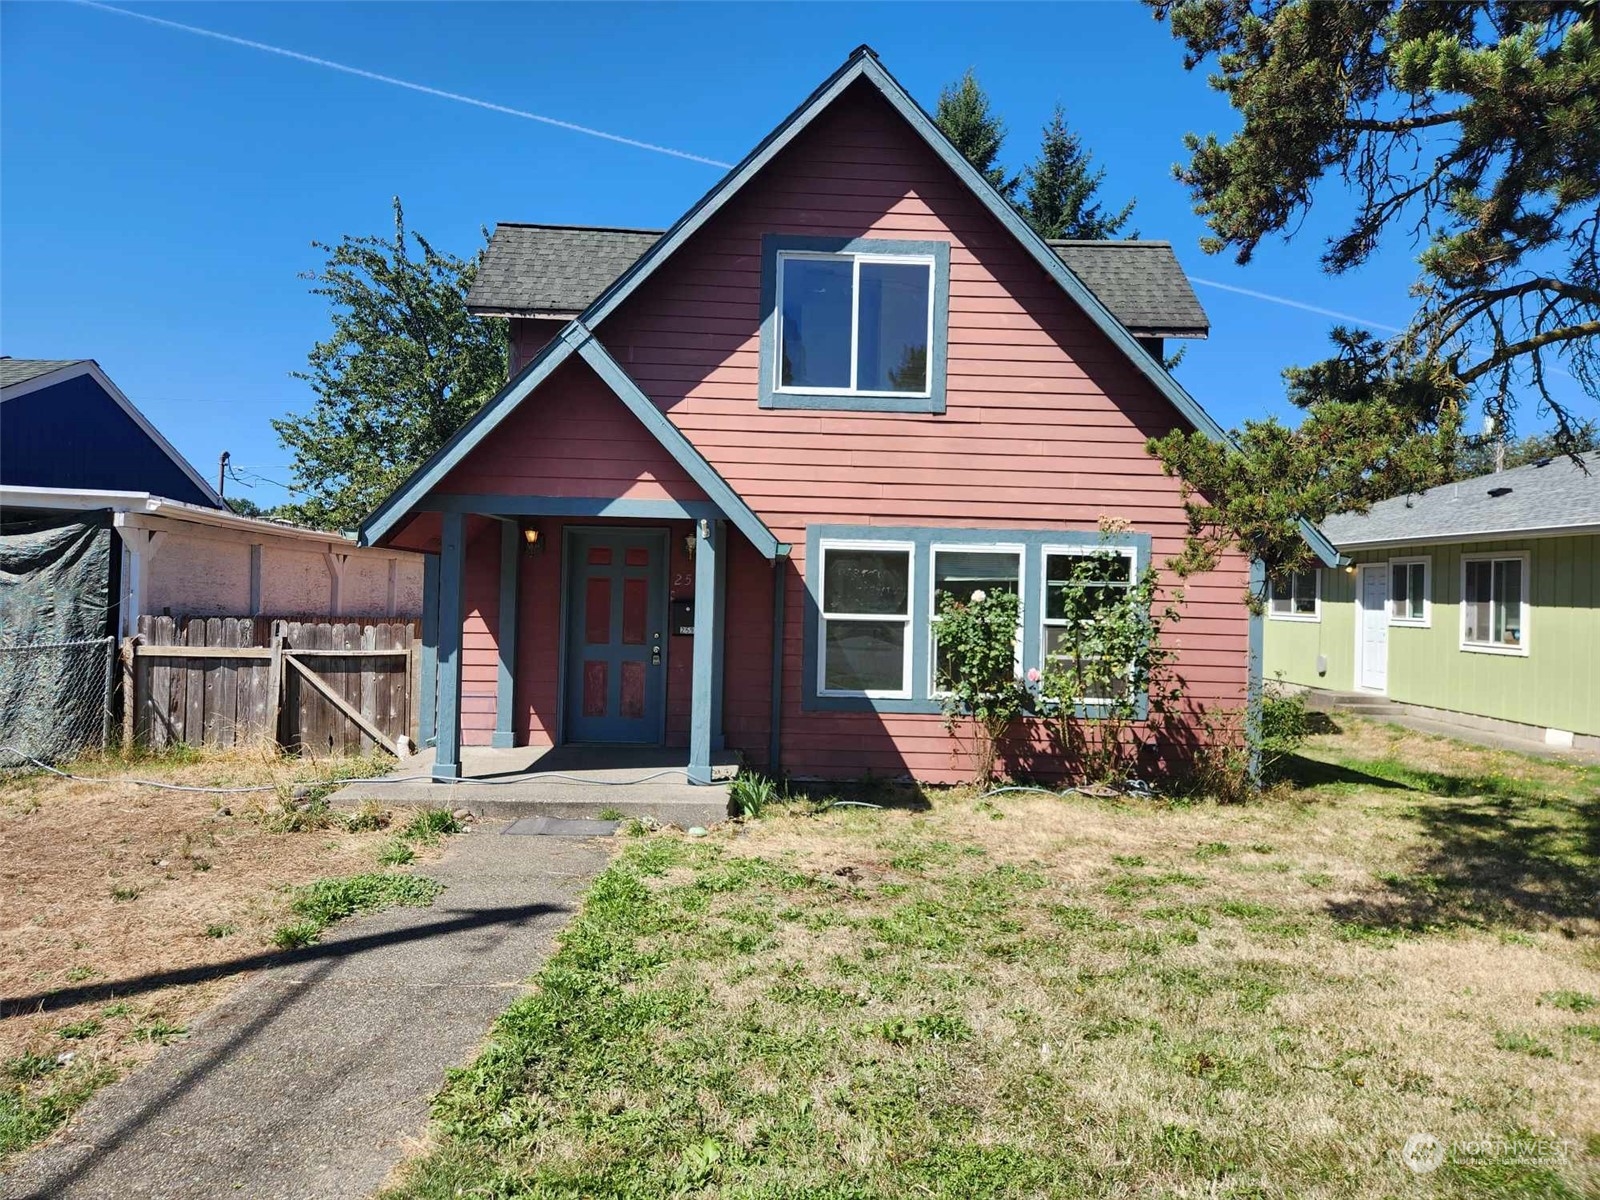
428, 701
705, 724
510, 570
452, 556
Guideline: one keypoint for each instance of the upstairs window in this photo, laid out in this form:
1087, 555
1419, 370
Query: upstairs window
1297, 598
854, 323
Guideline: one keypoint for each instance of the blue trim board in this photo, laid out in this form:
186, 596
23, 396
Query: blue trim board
452, 612
1253, 692
921, 539
489, 504
780, 585
427, 683
506, 638
938, 351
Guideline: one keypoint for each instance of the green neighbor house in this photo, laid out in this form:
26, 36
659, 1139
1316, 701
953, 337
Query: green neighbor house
1476, 603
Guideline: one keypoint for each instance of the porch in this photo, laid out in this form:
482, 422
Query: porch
649, 782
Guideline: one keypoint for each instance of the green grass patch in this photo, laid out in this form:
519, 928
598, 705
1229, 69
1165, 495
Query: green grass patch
36, 1099
320, 904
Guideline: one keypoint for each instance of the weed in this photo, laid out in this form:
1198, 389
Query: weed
159, 1032
119, 1009
123, 893
1209, 850
24, 1068
430, 824
221, 930
320, 904
1523, 1043
368, 818
29, 1114
1571, 1001
78, 1030
612, 814
752, 795
80, 973
396, 852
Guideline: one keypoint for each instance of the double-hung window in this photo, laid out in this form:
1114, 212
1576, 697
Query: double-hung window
1408, 591
1078, 582
854, 323
959, 573
1494, 603
1297, 597
866, 639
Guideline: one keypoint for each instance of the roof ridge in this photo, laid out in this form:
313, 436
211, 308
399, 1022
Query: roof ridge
1108, 242
577, 228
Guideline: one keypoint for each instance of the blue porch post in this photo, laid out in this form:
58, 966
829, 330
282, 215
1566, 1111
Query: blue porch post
452, 562
510, 570
705, 713
427, 684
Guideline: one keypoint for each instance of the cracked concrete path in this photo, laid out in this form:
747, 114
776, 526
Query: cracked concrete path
307, 1082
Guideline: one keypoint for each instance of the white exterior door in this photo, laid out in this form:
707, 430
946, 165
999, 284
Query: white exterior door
1372, 629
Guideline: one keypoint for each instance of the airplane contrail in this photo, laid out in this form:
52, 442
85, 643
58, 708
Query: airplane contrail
360, 73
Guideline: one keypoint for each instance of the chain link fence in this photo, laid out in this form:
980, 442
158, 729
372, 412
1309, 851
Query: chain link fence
55, 699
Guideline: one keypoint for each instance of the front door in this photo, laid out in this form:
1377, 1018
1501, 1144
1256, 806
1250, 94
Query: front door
616, 625
1372, 629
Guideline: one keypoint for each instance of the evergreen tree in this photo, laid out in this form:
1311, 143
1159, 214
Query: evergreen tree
1062, 185
964, 116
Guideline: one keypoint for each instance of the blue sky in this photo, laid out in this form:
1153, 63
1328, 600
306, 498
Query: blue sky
160, 190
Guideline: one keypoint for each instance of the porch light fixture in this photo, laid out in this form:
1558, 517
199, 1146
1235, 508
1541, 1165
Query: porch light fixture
689, 540
532, 538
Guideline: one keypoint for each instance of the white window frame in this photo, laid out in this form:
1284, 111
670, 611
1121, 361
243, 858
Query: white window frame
906, 692
933, 599
1525, 558
1425, 621
856, 259
1131, 553
1314, 615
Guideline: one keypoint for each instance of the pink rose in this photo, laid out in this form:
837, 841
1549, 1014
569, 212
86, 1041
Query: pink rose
1033, 675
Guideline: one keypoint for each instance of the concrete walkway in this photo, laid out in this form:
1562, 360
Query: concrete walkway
309, 1080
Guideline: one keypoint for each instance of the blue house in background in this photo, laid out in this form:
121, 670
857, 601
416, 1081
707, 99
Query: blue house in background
64, 424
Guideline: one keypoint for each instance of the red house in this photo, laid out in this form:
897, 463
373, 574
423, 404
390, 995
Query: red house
737, 461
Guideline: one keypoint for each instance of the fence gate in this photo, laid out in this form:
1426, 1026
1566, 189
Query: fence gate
317, 687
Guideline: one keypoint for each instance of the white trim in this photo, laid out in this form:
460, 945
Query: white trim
906, 692
1484, 535
1525, 558
856, 258
1012, 548
92, 369
1426, 563
1314, 615
1360, 612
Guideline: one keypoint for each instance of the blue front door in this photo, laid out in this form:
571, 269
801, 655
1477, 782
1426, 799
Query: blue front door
616, 636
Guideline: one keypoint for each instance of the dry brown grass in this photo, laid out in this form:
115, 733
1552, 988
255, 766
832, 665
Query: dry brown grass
105, 888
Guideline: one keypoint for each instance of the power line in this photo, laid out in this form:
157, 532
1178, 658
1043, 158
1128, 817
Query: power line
1288, 303
440, 93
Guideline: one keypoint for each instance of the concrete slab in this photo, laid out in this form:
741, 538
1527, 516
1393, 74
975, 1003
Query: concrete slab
309, 1080
566, 781
560, 827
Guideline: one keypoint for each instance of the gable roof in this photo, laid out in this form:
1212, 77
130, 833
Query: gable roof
558, 270
861, 66
24, 376
1552, 495
19, 370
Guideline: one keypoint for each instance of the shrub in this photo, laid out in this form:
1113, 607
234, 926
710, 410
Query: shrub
978, 671
1283, 726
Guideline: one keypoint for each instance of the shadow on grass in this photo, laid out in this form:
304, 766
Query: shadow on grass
1494, 850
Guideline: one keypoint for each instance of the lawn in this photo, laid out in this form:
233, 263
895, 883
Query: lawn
126, 911
1026, 995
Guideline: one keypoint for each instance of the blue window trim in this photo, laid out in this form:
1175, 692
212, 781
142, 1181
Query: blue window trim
938, 352
921, 539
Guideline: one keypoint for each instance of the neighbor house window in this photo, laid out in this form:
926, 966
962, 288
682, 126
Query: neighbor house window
1297, 597
1097, 574
853, 323
1408, 591
1494, 603
958, 573
866, 620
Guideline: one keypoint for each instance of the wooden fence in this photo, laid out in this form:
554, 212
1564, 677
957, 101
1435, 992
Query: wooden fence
313, 686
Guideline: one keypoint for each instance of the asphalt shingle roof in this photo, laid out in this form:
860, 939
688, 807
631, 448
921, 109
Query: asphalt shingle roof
19, 370
1521, 500
560, 269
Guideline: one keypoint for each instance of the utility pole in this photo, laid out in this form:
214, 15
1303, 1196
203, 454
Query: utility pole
222, 471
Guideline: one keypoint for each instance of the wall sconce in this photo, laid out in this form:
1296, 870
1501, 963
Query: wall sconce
1350, 569
688, 544
532, 538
